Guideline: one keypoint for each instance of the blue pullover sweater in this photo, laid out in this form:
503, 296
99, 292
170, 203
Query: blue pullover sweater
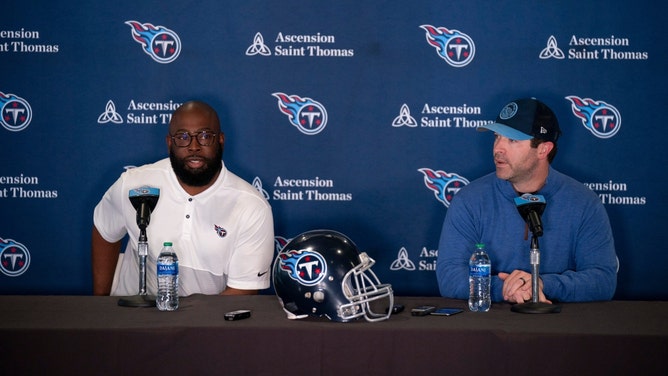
577, 252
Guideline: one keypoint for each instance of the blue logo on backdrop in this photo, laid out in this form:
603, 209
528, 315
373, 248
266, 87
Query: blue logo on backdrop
306, 267
600, 118
161, 44
305, 114
444, 185
453, 46
16, 112
14, 258
280, 242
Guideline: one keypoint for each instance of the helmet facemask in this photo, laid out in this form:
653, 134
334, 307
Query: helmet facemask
361, 286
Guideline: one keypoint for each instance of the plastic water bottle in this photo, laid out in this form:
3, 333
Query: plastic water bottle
168, 279
480, 280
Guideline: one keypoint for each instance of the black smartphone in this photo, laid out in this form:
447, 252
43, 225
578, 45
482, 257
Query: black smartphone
422, 310
237, 315
447, 311
397, 308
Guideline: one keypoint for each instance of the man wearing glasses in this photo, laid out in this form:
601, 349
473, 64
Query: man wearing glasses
221, 227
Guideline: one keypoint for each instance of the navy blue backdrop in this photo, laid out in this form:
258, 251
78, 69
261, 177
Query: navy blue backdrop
358, 116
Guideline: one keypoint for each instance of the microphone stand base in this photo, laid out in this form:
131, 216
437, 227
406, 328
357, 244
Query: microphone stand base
531, 307
137, 301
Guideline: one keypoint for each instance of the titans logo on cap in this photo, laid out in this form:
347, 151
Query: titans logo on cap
14, 258
305, 114
16, 112
160, 43
444, 185
304, 266
453, 46
509, 111
600, 118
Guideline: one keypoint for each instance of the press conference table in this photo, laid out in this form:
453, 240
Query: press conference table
86, 335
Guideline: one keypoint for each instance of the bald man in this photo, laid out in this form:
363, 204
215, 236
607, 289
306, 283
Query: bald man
221, 227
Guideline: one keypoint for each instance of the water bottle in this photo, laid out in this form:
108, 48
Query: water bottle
168, 279
480, 280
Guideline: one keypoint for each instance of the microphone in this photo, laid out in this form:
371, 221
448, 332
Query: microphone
530, 208
144, 200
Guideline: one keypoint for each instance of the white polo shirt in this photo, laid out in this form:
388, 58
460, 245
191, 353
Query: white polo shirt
223, 236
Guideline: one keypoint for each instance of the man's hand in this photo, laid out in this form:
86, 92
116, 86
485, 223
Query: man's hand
517, 287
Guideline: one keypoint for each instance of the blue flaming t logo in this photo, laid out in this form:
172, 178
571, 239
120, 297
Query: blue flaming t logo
14, 258
306, 114
600, 118
304, 266
444, 185
16, 112
160, 43
453, 46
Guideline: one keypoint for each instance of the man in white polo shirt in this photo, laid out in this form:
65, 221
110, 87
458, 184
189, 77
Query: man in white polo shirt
221, 227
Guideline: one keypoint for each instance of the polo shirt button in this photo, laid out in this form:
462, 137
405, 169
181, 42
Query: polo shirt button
187, 216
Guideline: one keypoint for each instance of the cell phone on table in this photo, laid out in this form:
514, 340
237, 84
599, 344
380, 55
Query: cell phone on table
447, 311
422, 310
397, 308
239, 314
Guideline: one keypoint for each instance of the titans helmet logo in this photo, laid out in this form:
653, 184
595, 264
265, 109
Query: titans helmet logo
304, 266
600, 118
443, 184
160, 43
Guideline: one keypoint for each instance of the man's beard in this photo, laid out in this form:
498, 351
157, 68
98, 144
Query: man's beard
197, 177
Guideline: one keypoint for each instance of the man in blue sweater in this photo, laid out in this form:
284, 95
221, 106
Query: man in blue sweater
577, 260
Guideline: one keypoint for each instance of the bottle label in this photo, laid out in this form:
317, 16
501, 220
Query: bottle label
480, 270
168, 269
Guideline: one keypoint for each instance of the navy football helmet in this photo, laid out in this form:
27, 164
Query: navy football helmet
322, 273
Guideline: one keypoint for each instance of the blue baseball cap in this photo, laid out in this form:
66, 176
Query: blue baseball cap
524, 119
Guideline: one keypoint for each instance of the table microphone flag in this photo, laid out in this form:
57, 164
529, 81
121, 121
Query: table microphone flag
530, 208
144, 199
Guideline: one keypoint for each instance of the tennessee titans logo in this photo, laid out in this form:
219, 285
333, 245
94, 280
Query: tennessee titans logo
220, 231
453, 46
600, 118
306, 114
16, 112
444, 185
160, 43
14, 258
279, 243
306, 267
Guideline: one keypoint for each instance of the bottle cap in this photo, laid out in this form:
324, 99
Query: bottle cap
167, 244
480, 246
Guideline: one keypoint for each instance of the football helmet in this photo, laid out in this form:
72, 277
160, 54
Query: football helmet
322, 273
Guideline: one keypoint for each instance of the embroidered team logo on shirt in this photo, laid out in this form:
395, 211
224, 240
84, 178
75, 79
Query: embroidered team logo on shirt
220, 231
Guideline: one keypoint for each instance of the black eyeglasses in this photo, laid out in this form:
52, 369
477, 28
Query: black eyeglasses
184, 139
